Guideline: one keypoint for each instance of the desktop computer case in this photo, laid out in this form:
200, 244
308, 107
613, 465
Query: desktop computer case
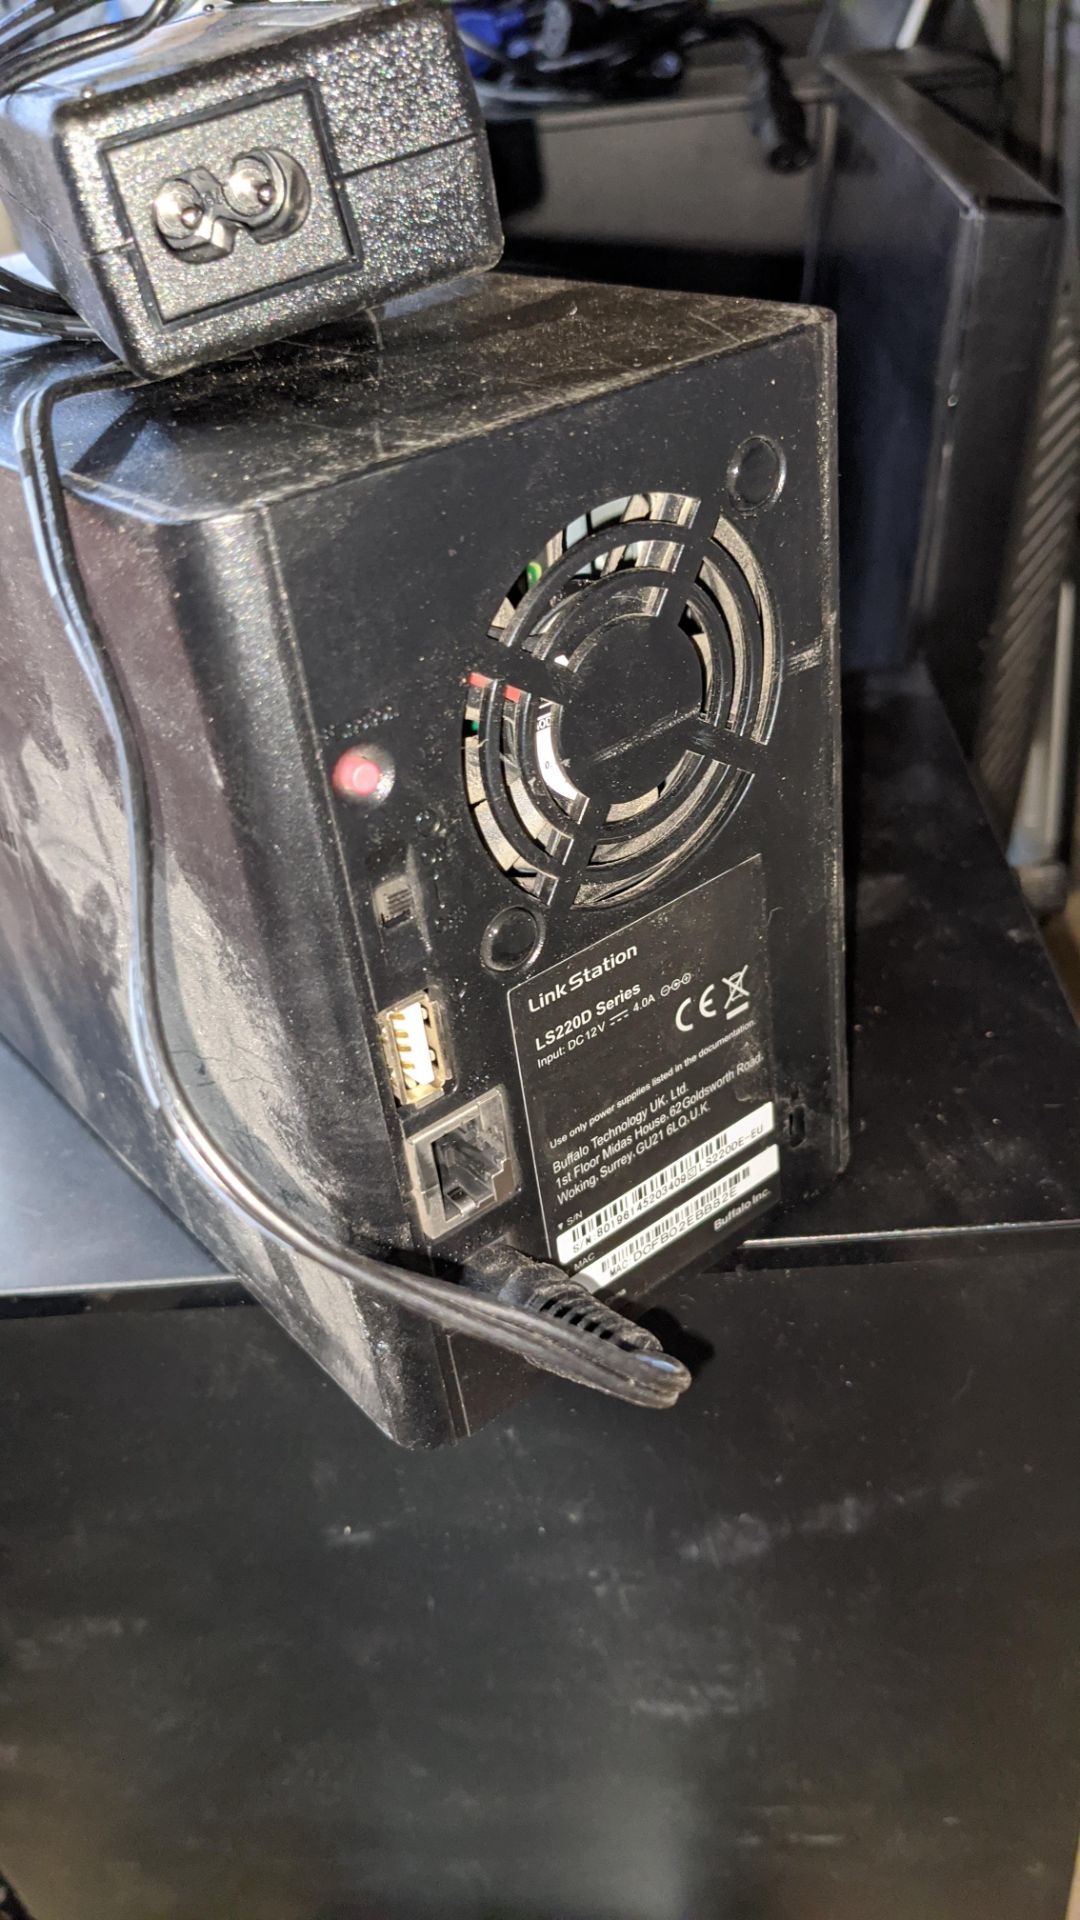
484, 659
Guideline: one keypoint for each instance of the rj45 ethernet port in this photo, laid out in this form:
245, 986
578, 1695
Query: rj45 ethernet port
463, 1165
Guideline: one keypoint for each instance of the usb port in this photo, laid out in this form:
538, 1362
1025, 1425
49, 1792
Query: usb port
414, 1050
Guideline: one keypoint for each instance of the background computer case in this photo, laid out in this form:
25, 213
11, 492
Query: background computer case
941, 259
676, 190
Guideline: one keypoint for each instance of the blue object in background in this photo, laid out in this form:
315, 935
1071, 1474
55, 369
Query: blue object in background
496, 26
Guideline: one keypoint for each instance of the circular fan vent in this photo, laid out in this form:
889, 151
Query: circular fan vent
623, 702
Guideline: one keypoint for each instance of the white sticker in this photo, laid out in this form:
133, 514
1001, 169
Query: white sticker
672, 1226
665, 1182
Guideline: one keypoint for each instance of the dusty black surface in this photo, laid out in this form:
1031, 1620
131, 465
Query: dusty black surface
805, 1647
965, 1058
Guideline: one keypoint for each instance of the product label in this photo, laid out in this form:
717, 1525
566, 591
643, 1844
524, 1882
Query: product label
648, 1086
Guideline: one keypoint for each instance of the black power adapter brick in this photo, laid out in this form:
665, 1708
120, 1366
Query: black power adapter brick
240, 174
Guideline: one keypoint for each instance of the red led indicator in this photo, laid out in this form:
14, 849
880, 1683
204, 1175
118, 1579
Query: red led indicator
357, 776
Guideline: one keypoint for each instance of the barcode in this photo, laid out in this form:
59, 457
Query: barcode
682, 1219
662, 1184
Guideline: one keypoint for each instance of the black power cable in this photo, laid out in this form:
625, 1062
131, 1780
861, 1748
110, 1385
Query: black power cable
11, 1907
25, 308
777, 116
522, 1306
22, 68
562, 1330
33, 45
566, 50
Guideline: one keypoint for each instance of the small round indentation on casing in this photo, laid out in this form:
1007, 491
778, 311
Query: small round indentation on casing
511, 940
756, 473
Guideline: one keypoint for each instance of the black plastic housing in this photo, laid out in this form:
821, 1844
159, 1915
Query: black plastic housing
941, 258
305, 554
369, 110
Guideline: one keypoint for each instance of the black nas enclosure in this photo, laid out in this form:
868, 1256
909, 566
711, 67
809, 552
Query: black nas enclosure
485, 664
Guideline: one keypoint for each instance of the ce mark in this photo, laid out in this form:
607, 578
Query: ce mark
705, 1007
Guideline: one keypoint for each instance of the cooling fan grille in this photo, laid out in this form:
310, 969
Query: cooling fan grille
623, 703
